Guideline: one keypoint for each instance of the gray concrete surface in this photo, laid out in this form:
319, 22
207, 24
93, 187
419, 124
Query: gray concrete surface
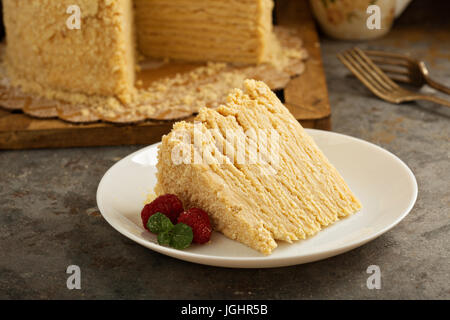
49, 220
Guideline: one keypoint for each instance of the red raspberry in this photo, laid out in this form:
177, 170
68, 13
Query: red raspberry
198, 220
168, 204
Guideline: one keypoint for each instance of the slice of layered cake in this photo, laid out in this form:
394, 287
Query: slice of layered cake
252, 166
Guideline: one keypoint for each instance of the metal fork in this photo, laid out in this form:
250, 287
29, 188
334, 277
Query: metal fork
378, 82
405, 69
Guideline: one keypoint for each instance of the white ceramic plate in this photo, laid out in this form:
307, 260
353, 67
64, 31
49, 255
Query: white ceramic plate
384, 184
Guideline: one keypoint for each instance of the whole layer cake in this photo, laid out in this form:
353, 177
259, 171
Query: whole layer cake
45, 57
255, 195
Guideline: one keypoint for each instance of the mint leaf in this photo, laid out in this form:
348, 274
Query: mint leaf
178, 237
182, 236
159, 223
164, 238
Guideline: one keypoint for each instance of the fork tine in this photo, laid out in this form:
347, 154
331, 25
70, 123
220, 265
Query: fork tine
392, 63
364, 73
396, 66
397, 71
392, 55
376, 69
356, 69
389, 61
401, 79
374, 75
398, 76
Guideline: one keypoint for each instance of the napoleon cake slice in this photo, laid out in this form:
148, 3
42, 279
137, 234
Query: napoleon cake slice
256, 188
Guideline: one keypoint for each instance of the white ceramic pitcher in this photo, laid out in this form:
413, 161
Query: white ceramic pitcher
347, 19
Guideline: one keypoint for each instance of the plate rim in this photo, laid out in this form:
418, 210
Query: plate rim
263, 261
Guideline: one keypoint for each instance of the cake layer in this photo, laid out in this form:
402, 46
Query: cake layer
229, 31
206, 11
281, 189
43, 53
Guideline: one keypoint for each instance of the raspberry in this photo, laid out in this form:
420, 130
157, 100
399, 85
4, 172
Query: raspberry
168, 204
198, 220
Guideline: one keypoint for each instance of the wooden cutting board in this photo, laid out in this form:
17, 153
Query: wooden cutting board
305, 96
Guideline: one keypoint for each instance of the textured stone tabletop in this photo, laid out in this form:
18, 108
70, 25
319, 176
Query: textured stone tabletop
49, 219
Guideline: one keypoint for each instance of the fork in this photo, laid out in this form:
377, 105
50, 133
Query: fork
378, 82
402, 68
